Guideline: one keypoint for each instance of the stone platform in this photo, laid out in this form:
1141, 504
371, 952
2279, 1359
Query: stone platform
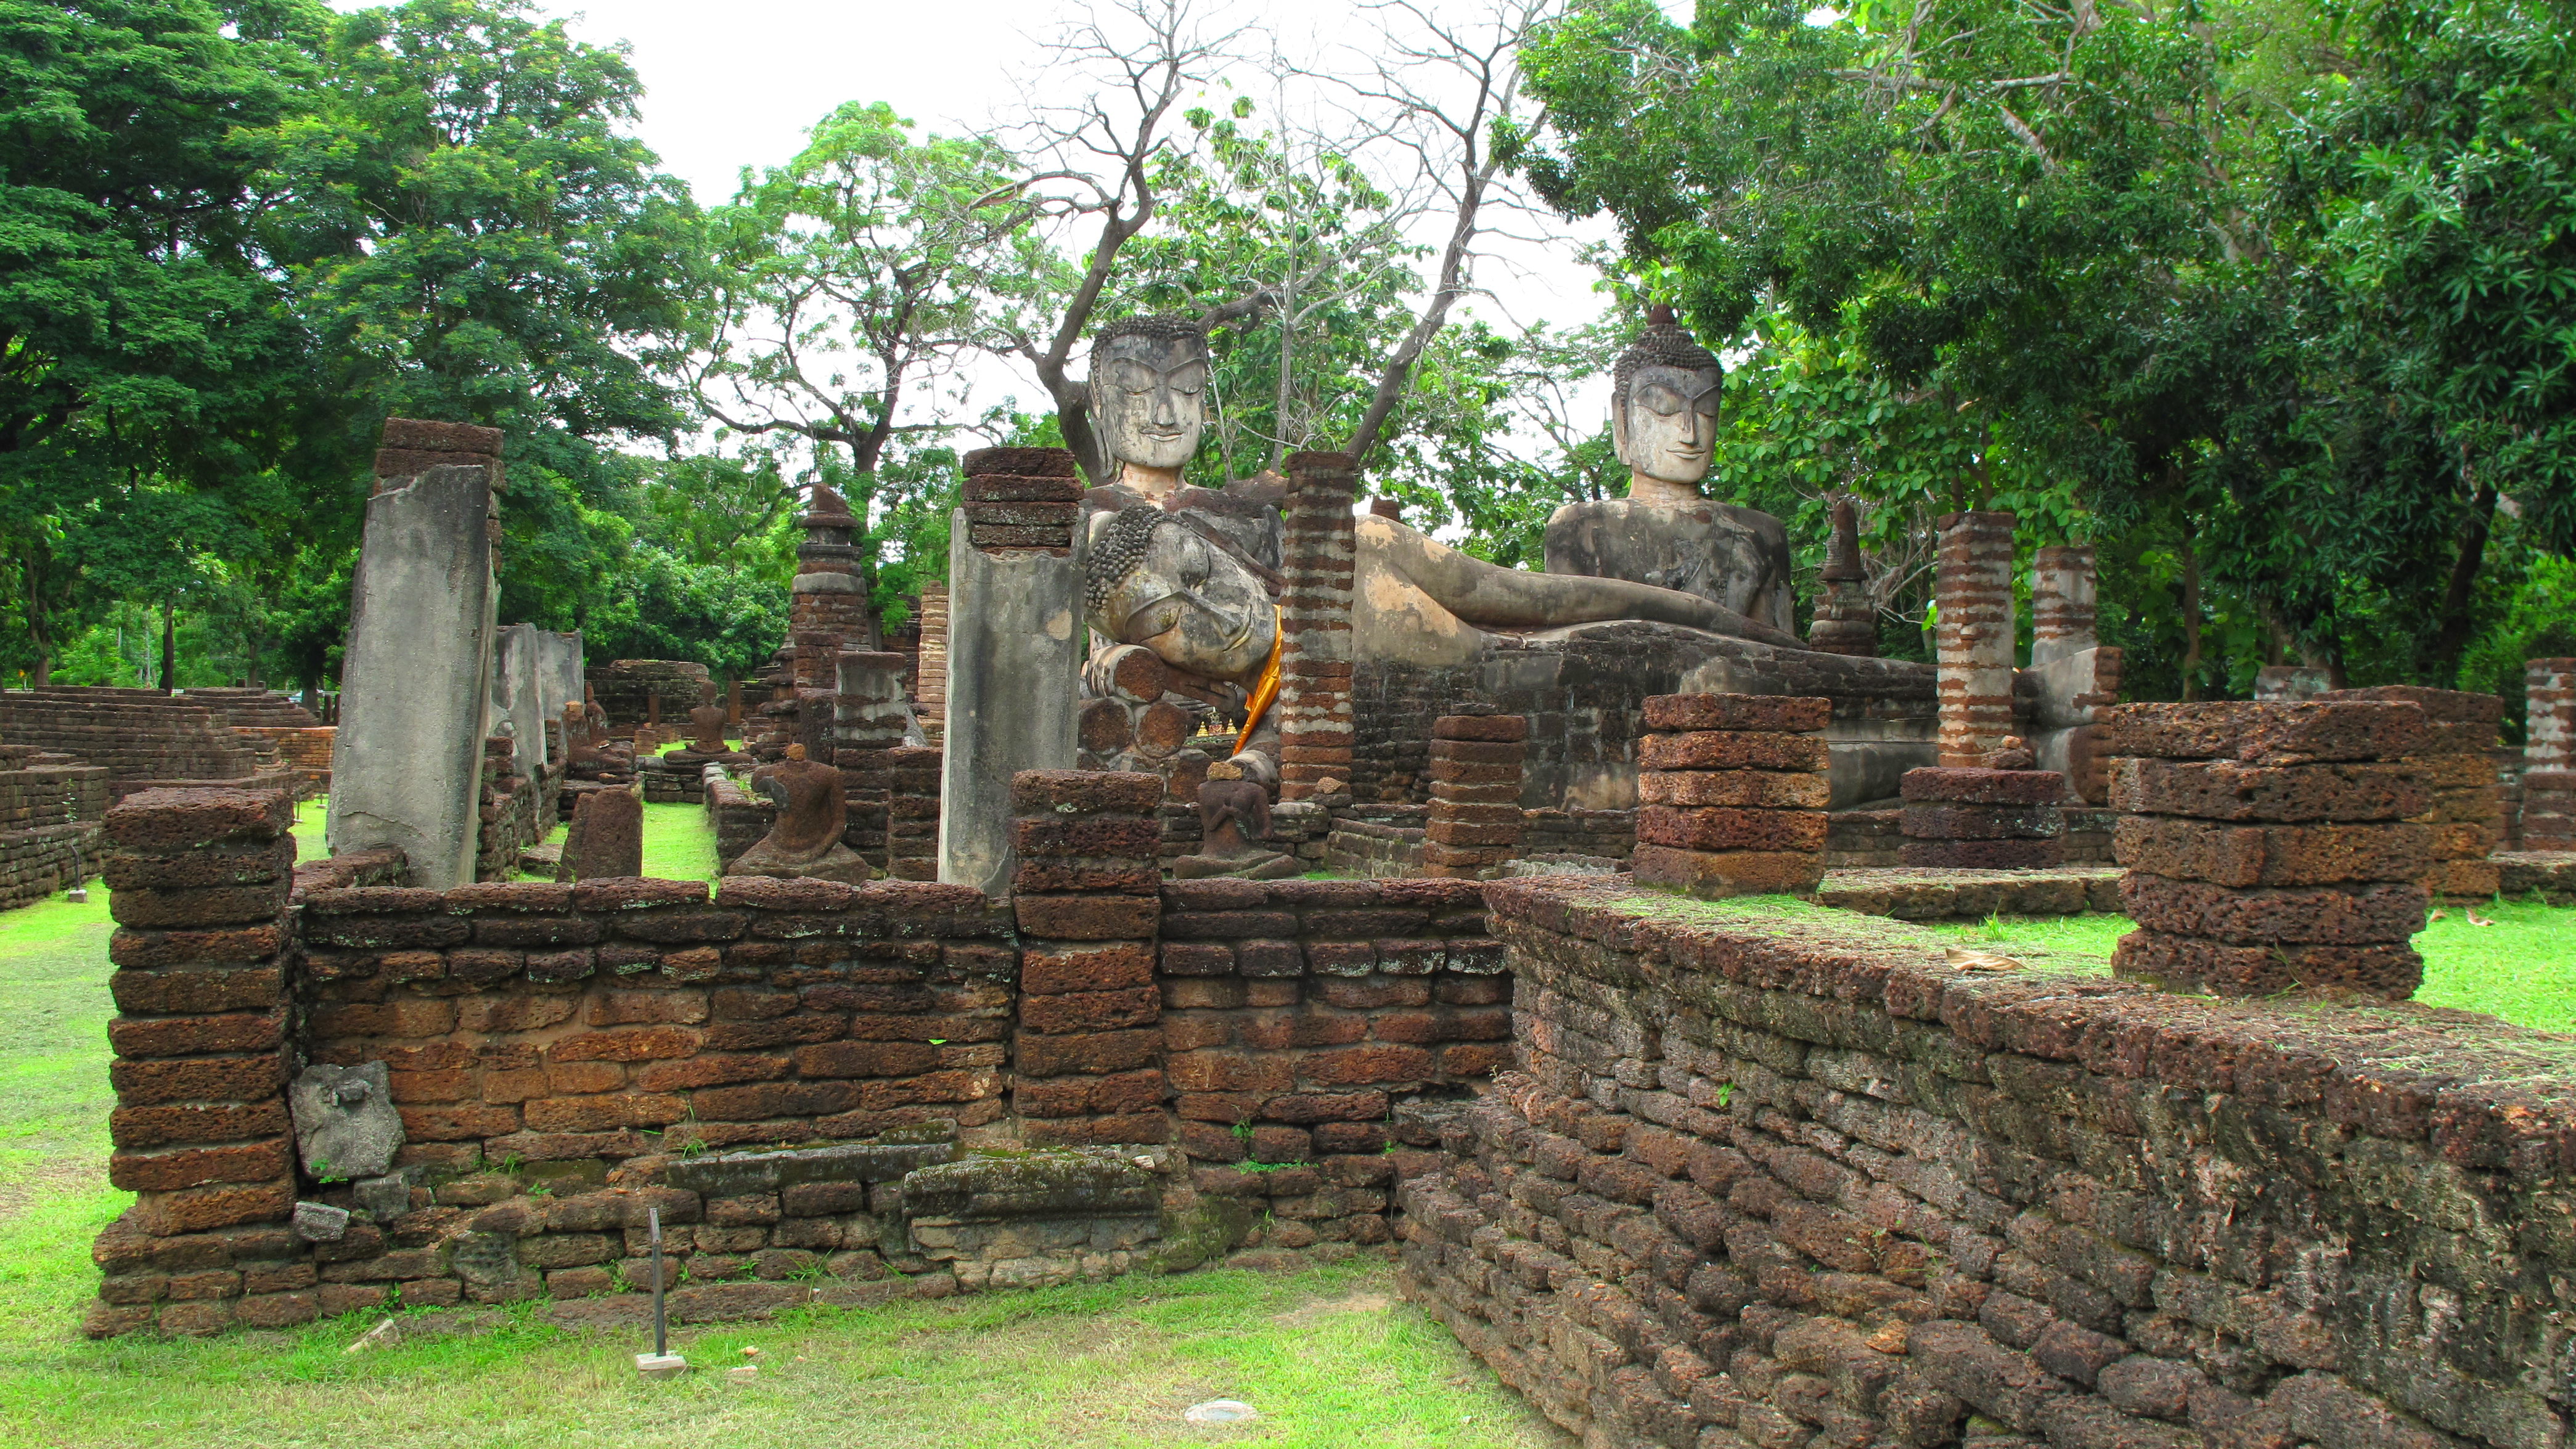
1926, 894
2550, 872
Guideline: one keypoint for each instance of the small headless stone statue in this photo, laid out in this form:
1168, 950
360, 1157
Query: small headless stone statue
1234, 812
1664, 419
346, 1125
707, 725
813, 814
588, 753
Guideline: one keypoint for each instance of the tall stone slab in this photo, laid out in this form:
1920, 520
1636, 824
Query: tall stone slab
1015, 646
407, 762
516, 696
1318, 561
1975, 638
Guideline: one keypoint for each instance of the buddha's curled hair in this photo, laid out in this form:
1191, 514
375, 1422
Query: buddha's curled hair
1662, 344
1118, 552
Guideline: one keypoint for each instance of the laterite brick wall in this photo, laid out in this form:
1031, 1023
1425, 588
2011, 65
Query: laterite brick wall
1767, 1183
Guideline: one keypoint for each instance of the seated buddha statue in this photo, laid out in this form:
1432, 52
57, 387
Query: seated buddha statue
1663, 420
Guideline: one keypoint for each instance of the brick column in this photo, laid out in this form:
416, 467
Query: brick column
200, 881
912, 813
1974, 819
1317, 561
1975, 634
1731, 794
930, 677
2457, 764
1846, 620
1087, 893
2549, 755
2271, 846
1475, 822
2063, 586
870, 717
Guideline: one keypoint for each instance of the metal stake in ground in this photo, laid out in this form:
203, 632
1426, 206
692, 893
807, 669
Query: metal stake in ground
661, 1363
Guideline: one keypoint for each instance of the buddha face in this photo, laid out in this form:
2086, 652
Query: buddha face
1149, 398
1667, 423
1190, 603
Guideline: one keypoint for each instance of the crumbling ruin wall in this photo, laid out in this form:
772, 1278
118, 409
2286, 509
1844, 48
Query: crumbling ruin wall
565, 1056
139, 736
1763, 1180
629, 690
50, 813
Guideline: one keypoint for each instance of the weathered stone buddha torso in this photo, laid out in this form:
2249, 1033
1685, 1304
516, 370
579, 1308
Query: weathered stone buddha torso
1663, 419
1731, 556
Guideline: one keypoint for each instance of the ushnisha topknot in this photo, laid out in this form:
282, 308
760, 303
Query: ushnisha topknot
1662, 344
1160, 326
1118, 552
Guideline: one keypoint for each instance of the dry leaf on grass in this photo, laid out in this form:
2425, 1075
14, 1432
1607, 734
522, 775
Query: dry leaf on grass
1969, 958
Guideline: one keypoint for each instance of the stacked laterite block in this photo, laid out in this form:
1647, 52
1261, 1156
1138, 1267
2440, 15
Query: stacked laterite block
1015, 498
1974, 819
1087, 894
930, 671
1731, 794
2549, 755
870, 719
1974, 640
200, 880
2457, 764
1475, 820
1300, 1016
412, 446
2269, 846
1317, 559
912, 812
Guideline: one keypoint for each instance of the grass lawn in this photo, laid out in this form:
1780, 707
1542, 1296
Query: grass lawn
1329, 1355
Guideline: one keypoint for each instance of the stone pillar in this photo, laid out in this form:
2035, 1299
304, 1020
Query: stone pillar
1087, 1058
407, 762
912, 812
1015, 648
1731, 794
1978, 819
1475, 822
1317, 561
2271, 846
930, 679
517, 694
2063, 586
870, 721
2457, 765
1846, 619
2549, 755
200, 881
1975, 635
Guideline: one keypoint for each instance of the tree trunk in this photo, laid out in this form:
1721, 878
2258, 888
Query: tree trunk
2451, 638
2190, 623
169, 647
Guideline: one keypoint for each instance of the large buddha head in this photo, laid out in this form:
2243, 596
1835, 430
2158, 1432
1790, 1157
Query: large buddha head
1663, 409
1153, 581
1149, 380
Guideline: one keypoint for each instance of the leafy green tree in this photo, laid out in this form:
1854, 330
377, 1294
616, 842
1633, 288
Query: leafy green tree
850, 281
141, 340
471, 232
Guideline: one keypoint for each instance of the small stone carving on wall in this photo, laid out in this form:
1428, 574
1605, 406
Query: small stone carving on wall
345, 1122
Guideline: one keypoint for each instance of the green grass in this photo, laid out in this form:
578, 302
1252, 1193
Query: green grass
679, 843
